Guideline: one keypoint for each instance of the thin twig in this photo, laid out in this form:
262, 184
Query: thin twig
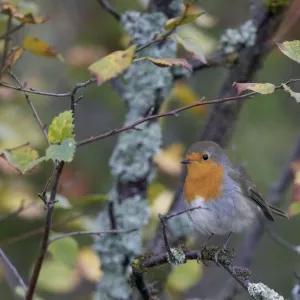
107, 6
167, 217
12, 275
18, 147
99, 233
280, 241
35, 114
48, 94
37, 231
7, 34
174, 113
49, 181
6, 42
47, 228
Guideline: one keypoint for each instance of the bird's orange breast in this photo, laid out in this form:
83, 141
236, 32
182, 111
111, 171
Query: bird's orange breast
204, 179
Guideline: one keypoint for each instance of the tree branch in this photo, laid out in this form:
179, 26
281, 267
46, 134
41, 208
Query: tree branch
12, 276
47, 228
99, 233
172, 113
35, 114
108, 7
6, 42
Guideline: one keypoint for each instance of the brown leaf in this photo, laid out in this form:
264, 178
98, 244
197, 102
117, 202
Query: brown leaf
12, 57
169, 62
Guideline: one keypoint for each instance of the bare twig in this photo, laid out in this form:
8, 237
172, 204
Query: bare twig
279, 240
35, 114
57, 95
47, 228
7, 34
12, 276
167, 217
107, 6
99, 233
173, 113
37, 231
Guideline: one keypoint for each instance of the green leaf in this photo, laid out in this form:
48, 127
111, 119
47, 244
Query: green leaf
290, 49
291, 92
185, 276
34, 163
20, 292
261, 88
294, 209
191, 44
112, 65
56, 277
175, 22
62, 127
64, 152
64, 250
21, 157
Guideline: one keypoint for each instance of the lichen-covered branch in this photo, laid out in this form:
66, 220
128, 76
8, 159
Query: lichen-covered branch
131, 162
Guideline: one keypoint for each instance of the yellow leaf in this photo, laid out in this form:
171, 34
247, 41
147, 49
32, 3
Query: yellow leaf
168, 160
112, 65
88, 265
12, 57
186, 95
168, 62
261, 88
39, 47
175, 22
162, 203
185, 276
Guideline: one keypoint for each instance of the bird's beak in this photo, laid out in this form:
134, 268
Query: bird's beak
186, 161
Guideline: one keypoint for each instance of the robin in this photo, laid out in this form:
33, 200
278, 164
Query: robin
230, 201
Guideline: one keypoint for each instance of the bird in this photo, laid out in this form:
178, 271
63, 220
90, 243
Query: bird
228, 199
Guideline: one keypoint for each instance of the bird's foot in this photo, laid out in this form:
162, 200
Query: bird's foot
216, 256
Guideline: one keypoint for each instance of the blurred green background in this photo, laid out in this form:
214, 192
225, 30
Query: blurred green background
82, 32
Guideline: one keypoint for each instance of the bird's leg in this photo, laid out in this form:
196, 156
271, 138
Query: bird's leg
224, 247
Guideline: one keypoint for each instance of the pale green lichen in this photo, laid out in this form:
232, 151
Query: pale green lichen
260, 291
233, 39
177, 257
146, 86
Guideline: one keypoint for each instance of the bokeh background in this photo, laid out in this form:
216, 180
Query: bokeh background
82, 32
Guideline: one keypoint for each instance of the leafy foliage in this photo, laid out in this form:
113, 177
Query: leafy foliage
291, 92
62, 127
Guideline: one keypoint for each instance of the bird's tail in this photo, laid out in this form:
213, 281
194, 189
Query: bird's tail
278, 212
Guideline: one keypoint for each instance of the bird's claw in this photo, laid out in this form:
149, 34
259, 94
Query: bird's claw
216, 257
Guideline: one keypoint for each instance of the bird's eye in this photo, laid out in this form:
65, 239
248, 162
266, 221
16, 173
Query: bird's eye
205, 156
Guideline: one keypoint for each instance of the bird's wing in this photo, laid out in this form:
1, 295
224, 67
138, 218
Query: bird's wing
251, 191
